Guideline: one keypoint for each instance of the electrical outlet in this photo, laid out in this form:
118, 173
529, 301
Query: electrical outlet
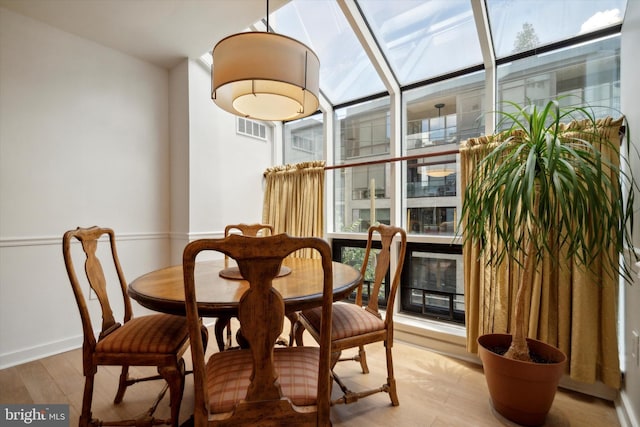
635, 347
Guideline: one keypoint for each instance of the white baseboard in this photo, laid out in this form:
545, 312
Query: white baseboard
29, 354
626, 414
596, 389
435, 336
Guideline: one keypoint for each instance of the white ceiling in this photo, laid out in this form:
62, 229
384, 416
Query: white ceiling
162, 32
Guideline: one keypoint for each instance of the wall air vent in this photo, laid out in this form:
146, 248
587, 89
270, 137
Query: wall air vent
251, 128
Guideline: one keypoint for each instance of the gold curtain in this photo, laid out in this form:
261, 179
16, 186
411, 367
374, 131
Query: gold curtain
293, 200
569, 308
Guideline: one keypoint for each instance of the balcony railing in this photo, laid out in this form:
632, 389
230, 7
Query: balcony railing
439, 305
418, 189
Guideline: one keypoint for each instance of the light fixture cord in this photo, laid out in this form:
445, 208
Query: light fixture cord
304, 88
267, 16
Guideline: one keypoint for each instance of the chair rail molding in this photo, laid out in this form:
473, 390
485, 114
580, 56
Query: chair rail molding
9, 242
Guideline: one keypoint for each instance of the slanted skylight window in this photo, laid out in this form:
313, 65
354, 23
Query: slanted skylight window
523, 25
346, 73
424, 39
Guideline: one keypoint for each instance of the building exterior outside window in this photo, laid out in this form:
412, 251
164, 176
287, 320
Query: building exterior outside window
432, 282
304, 140
588, 74
352, 253
362, 133
436, 119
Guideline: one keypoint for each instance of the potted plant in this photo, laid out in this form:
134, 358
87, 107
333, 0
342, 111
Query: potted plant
537, 188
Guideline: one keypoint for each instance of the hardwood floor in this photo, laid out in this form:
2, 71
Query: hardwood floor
434, 391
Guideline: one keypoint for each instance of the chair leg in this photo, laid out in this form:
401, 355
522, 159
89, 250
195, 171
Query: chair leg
204, 332
335, 358
87, 397
298, 331
293, 322
228, 341
391, 380
349, 396
122, 384
221, 323
362, 358
174, 375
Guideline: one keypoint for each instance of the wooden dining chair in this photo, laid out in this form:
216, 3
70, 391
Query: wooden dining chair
249, 229
356, 325
156, 340
225, 321
265, 384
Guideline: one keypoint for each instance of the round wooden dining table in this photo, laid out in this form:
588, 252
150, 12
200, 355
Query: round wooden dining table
300, 285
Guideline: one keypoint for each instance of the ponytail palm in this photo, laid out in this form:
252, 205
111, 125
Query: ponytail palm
542, 186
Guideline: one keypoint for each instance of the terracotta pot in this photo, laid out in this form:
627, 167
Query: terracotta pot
521, 391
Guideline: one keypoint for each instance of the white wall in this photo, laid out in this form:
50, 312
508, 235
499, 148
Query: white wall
630, 85
179, 158
216, 174
226, 168
83, 141
91, 136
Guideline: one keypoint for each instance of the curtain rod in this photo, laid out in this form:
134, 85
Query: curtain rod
394, 159
622, 132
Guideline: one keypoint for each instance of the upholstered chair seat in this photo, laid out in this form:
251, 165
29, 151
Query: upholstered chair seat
349, 320
229, 376
156, 333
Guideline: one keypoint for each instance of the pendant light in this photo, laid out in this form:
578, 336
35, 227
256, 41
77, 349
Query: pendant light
265, 76
439, 172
